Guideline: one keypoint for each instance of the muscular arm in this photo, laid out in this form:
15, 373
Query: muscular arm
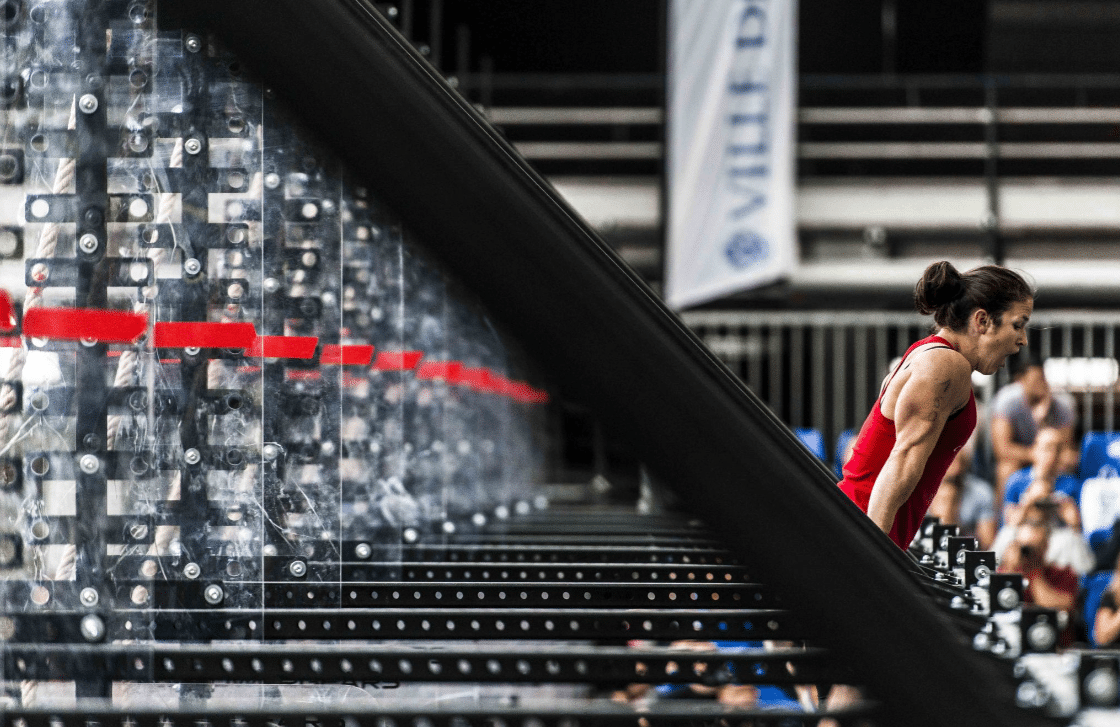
938, 386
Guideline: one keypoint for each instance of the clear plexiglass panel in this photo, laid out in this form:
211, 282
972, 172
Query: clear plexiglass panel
231, 381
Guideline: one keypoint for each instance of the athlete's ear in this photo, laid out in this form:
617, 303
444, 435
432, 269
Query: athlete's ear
982, 320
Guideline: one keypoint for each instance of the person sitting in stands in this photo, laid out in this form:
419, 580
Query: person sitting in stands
1041, 486
1045, 478
1048, 584
966, 500
1020, 410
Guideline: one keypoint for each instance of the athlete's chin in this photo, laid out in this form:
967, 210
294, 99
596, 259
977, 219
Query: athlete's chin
992, 368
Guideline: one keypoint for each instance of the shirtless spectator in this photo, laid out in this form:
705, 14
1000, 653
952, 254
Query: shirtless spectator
1019, 410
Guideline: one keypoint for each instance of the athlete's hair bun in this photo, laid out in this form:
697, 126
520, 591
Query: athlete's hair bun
939, 286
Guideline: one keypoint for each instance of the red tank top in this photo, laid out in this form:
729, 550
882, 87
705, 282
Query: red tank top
874, 444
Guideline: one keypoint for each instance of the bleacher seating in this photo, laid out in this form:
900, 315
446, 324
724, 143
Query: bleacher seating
1097, 450
1094, 585
1100, 505
813, 439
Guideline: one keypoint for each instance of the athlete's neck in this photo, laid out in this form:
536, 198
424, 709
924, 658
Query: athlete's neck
965, 345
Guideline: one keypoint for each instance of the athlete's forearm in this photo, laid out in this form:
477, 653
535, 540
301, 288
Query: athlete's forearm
895, 484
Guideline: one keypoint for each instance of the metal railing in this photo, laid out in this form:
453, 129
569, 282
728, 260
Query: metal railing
823, 369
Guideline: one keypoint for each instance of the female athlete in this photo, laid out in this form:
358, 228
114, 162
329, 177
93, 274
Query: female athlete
926, 411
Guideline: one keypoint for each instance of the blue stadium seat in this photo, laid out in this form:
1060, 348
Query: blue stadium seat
1097, 450
813, 439
1094, 585
842, 442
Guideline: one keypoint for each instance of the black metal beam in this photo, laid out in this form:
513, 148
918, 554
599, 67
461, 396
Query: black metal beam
324, 663
572, 304
555, 714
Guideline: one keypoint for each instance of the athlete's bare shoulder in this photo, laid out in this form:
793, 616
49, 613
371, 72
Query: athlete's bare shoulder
931, 372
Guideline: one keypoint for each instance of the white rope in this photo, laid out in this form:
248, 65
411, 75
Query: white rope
68, 566
46, 248
28, 693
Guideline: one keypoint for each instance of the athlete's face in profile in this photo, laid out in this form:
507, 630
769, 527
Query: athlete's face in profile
1006, 338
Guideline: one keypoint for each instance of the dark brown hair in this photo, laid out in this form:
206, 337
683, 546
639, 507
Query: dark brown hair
952, 296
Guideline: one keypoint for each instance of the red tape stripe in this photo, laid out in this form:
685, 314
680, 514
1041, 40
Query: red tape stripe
344, 355
284, 347
204, 335
398, 360
478, 378
73, 324
446, 370
7, 312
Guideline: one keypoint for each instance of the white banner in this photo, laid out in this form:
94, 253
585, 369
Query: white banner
731, 150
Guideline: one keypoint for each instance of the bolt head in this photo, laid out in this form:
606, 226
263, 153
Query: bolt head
92, 627
1101, 686
298, 568
192, 146
193, 43
191, 266
271, 285
214, 594
192, 456
89, 596
1008, 598
192, 350
270, 452
192, 570
411, 535
88, 243
89, 463
1042, 636
87, 103
363, 550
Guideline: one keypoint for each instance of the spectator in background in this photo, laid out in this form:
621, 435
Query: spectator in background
1044, 479
1049, 584
1019, 410
1065, 546
1041, 485
966, 500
